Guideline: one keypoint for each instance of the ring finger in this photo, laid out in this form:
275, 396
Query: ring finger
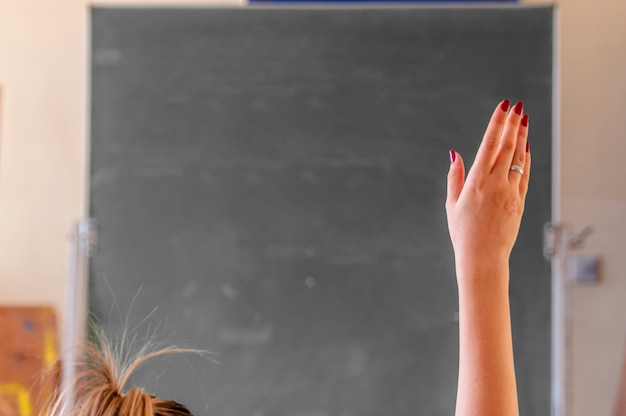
519, 157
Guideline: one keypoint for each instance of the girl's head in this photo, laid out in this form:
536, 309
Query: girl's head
99, 388
107, 401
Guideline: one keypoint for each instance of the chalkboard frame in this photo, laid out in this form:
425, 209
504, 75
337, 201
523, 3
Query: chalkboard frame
99, 178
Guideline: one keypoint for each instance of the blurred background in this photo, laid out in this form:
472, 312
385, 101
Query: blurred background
43, 144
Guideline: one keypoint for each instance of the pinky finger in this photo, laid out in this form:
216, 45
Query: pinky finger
523, 184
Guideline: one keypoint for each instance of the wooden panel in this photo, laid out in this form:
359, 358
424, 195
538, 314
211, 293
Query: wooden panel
27, 356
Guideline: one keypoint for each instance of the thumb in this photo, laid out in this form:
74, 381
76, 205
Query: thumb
456, 177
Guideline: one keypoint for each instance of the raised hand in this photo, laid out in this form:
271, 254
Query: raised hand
484, 214
484, 211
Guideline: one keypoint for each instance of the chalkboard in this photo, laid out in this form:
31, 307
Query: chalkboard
273, 179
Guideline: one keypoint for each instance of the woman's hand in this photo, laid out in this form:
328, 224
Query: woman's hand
484, 214
484, 211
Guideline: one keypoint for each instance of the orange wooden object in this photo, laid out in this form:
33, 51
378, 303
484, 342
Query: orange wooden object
27, 358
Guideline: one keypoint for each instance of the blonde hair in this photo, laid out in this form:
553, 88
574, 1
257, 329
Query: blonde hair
101, 378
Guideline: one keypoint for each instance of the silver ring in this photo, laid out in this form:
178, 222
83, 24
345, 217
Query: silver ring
518, 169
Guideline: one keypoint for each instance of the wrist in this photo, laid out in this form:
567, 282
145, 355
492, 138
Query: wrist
476, 273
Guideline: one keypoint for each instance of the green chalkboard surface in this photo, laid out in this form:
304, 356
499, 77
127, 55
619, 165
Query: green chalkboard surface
273, 179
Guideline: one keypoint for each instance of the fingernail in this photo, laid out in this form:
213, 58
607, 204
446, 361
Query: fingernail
527, 147
525, 120
452, 156
518, 108
505, 105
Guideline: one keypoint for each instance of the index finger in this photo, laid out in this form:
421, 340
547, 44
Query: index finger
488, 150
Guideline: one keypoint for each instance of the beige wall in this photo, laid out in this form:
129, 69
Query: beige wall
42, 72
41, 145
593, 189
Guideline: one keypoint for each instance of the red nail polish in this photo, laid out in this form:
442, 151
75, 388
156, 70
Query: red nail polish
505, 105
527, 147
518, 108
452, 156
525, 120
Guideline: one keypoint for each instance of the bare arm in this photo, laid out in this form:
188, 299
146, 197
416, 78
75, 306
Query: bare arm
484, 214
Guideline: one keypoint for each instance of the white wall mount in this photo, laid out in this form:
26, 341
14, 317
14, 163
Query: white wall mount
81, 243
560, 242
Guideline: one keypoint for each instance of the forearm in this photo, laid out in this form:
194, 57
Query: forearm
487, 384
484, 211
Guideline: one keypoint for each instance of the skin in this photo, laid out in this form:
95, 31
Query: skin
484, 213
